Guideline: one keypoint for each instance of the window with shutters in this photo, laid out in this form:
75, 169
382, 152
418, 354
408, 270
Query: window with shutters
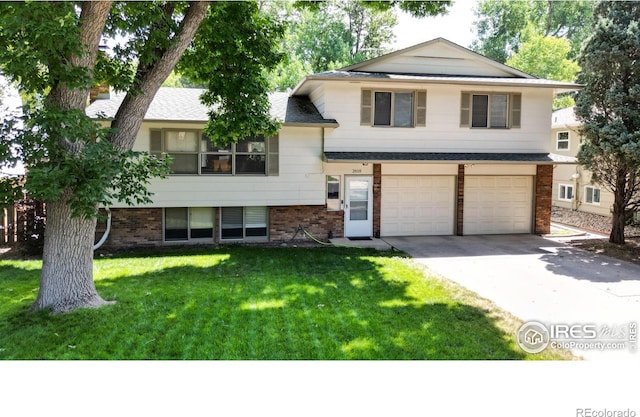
491, 110
194, 154
243, 223
393, 108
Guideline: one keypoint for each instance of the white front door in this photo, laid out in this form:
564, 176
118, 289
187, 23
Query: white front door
358, 206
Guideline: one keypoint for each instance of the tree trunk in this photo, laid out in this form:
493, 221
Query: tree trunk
66, 282
128, 119
618, 219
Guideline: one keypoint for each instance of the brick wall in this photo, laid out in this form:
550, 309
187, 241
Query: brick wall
544, 184
460, 202
377, 198
133, 227
143, 226
284, 221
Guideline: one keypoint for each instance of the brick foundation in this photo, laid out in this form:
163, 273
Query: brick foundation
377, 198
133, 227
460, 202
544, 184
284, 221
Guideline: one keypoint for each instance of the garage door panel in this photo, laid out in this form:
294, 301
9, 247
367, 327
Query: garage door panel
417, 205
498, 204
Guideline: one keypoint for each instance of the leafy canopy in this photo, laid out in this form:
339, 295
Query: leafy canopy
545, 57
91, 162
326, 35
500, 24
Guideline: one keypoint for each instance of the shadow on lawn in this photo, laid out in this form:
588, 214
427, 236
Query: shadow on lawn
257, 304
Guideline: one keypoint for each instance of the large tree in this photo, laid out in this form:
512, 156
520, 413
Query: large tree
50, 50
545, 57
609, 107
500, 24
326, 35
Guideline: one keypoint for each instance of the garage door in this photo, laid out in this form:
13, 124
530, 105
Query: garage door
497, 204
417, 205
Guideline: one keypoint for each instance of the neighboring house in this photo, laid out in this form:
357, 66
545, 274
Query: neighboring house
431, 140
572, 187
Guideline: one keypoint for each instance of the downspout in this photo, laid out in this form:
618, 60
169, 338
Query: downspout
106, 232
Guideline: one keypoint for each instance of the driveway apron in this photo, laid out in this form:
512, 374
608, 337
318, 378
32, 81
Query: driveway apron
538, 279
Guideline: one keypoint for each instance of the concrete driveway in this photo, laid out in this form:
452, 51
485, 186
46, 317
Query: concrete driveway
539, 279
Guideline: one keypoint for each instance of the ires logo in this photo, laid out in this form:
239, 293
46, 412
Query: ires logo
573, 331
534, 337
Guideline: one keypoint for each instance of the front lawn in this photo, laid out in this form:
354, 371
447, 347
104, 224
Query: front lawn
259, 303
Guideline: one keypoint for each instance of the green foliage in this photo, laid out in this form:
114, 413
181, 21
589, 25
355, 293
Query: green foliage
563, 101
64, 151
177, 80
609, 104
323, 36
500, 24
34, 39
544, 57
320, 39
288, 74
232, 63
146, 29
415, 8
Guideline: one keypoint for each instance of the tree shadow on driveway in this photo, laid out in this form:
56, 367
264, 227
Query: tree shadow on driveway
583, 265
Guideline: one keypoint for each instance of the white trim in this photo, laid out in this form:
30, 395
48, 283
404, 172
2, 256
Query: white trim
592, 202
568, 140
566, 186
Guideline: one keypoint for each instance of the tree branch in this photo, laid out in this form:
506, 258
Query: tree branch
129, 117
92, 20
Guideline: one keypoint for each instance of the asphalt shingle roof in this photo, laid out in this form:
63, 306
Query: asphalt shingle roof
564, 117
183, 104
448, 157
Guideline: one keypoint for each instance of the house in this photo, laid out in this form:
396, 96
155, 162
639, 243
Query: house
430, 140
572, 187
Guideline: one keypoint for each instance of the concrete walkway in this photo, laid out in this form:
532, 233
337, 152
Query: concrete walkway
538, 279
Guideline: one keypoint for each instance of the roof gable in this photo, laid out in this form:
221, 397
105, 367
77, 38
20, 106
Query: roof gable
437, 57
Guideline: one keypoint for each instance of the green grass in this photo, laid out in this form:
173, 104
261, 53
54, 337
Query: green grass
258, 303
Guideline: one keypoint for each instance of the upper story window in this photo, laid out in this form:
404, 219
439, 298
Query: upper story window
393, 108
490, 110
195, 154
562, 141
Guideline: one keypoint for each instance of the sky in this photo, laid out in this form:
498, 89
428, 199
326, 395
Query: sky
455, 26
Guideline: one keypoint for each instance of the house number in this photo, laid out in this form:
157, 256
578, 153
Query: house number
356, 171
